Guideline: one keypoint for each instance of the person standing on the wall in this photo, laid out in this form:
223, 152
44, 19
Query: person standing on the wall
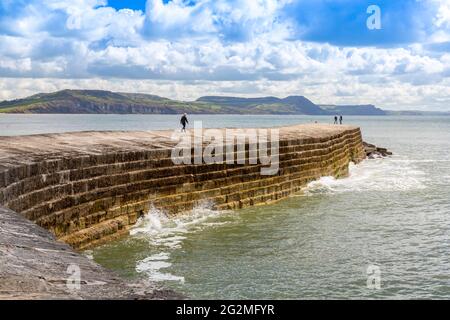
335, 119
340, 119
183, 122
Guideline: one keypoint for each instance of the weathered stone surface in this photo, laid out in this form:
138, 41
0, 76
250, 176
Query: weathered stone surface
90, 187
34, 265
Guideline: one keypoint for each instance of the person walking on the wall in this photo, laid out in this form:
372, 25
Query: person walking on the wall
340, 119
335, 119
183, 122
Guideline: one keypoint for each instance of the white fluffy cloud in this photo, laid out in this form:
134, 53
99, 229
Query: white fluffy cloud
443, 15
211, 47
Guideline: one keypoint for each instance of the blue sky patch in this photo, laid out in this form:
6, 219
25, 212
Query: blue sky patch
127, 4
343, 22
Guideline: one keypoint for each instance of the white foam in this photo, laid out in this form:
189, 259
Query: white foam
159, 256
152, 265
160, 230
169, 234
150, 223
373, 175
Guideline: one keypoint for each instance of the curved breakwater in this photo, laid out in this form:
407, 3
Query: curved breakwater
89, 188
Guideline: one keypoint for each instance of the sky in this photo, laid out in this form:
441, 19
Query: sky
184, 49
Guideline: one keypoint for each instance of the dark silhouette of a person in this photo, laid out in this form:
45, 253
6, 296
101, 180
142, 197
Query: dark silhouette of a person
183, 122
335, 119
340, 119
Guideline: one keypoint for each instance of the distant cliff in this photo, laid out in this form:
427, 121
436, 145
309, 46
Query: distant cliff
271, 105
106, 102
362, 110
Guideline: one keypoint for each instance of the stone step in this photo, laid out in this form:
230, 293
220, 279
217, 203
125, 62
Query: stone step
92, 210
47, 194
74, 200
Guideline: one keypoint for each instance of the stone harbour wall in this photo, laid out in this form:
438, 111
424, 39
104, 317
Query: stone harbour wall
90, 187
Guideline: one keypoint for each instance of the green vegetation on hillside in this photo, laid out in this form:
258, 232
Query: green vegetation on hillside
107, 102
103, 102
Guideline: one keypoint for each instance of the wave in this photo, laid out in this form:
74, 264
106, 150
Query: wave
159, 229
167, 234
373, 175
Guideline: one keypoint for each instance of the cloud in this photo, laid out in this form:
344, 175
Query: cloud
229, 20
246, 47
442, 19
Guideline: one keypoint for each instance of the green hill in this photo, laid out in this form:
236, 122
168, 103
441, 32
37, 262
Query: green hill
104, 102
107, 102
271, 105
